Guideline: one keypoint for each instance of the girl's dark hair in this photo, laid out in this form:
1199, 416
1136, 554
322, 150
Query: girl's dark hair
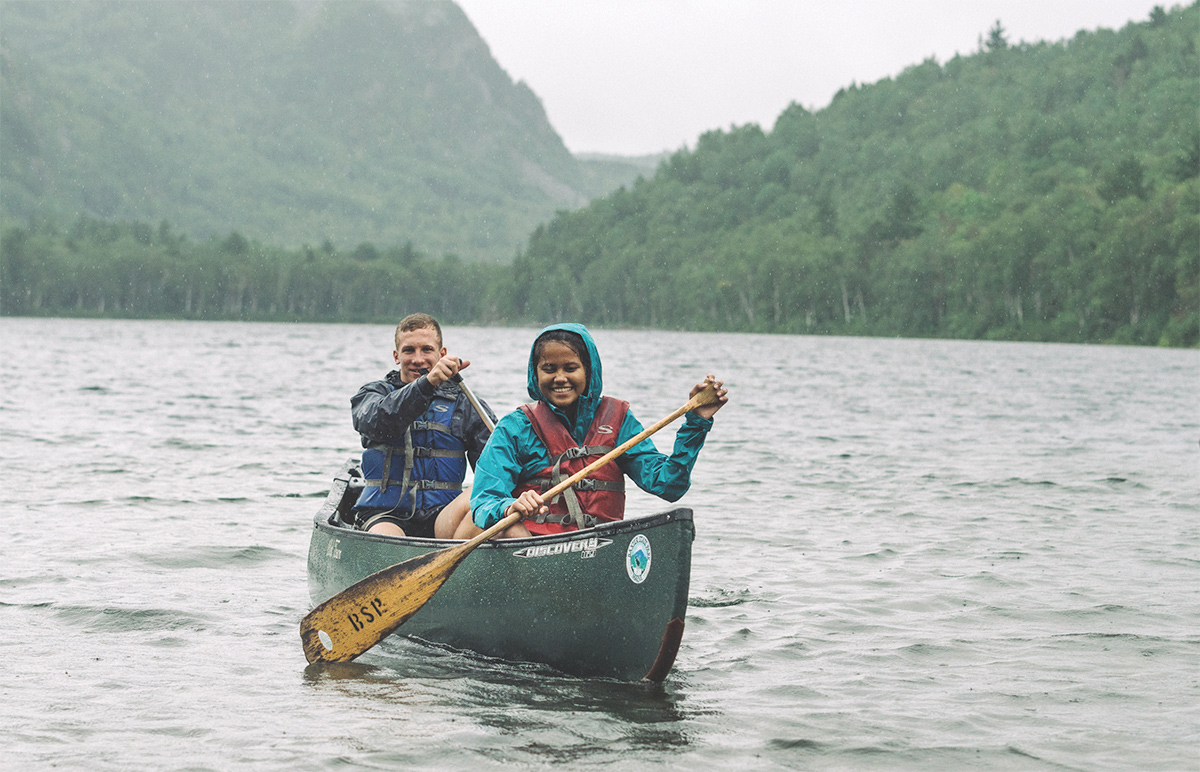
571, 339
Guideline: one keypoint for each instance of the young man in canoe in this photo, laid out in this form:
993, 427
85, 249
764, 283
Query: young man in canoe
567, 426
418, 430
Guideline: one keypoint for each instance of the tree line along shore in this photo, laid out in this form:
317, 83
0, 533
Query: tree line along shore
1045, 191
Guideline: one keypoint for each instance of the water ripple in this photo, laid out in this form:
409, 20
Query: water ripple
110, 619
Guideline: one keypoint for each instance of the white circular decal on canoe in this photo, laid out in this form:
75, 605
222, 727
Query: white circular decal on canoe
637, 559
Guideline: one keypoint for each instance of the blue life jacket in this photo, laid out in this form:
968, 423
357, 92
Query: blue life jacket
415, 476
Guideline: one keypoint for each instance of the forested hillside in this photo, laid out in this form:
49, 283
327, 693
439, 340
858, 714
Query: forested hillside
1042, 191
292, 121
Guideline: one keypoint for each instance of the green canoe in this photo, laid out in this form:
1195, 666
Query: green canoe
607, 601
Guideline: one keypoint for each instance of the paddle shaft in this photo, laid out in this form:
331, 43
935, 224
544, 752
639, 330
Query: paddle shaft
487, 421
457, 378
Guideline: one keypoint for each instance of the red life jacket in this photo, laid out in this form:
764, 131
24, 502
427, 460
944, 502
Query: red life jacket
598, 497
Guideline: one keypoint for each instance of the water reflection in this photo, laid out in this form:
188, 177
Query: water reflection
575, 713
321, 672
540, 711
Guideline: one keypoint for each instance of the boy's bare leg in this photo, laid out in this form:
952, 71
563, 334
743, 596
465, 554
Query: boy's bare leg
453, 515
467, 529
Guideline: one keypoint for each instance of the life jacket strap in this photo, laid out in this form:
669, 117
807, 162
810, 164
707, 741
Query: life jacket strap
575, 513
425, 452
588, 484
429, 426
566, 519
435, 453
583, 451
423, 485
384, 481
408, 486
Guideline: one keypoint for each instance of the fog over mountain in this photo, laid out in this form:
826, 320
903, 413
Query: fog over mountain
291, 121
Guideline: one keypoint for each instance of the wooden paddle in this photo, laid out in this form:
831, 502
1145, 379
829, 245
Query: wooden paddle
487, 421
363, 614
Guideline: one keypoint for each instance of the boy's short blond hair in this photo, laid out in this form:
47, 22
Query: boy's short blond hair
418, 322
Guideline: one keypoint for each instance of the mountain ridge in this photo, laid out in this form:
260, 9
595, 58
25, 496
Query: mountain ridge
293, 121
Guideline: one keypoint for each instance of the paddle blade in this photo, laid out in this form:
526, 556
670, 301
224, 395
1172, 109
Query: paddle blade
362, 615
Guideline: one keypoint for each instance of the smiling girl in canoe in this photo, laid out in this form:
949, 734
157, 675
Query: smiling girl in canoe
569, 424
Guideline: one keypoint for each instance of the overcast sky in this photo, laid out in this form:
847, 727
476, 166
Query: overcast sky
640, 76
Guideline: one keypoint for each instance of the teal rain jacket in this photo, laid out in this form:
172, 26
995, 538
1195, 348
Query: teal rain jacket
515, 454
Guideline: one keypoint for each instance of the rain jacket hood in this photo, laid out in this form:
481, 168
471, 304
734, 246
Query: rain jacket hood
595, 383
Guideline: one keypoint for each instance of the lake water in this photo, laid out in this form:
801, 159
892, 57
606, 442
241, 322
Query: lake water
914, 555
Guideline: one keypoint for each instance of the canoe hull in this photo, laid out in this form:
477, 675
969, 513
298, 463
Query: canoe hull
608, 601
